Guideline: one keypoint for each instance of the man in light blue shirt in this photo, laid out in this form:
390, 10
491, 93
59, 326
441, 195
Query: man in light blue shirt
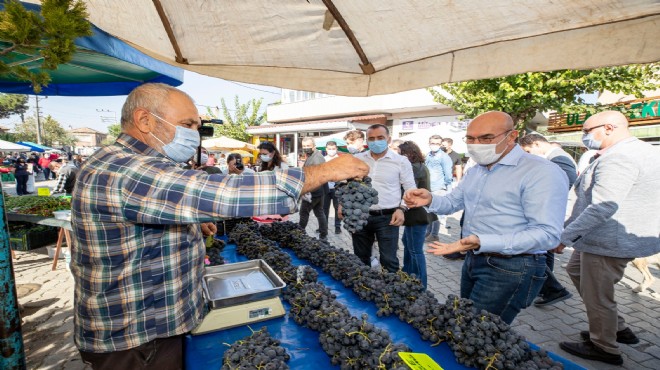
514, 205
440, 170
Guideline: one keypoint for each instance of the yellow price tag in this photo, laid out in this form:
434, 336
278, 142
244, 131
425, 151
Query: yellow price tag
419, 361
43, 192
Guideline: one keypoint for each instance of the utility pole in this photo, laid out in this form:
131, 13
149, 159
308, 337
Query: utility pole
39, 133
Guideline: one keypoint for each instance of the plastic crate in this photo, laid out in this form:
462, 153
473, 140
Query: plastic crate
28, 239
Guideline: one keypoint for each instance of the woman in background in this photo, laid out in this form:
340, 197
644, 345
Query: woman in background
417, 219
270, 157
235, 165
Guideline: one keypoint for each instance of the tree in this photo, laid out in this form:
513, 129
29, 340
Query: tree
50, 35
11, 104
113, 134
53, 132
244, 115
525, 94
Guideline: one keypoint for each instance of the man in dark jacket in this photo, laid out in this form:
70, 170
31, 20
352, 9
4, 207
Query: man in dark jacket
552, 291
317, 200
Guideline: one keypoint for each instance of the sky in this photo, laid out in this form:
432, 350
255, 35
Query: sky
99, 112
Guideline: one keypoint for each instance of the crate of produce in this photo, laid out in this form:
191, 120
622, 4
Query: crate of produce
27, 238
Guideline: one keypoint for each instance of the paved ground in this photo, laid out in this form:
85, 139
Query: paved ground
47, 319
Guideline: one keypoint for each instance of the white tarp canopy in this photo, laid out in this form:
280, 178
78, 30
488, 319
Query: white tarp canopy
6, 146
226, 143
371, 47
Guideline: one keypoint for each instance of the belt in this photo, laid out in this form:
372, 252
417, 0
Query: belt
382, 212
499, 255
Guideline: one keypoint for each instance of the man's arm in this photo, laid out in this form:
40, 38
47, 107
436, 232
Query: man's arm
612, 181
447, 165
61, 180
342, 168
459, 171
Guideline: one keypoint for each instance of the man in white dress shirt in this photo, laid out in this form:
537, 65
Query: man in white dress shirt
389, 172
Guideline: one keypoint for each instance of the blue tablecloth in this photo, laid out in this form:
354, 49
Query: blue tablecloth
205, 351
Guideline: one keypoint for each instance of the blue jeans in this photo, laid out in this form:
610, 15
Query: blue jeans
378, 227
551, 287
414, 261
502, 285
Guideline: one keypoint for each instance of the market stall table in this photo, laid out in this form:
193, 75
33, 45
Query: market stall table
64, 232
206, 351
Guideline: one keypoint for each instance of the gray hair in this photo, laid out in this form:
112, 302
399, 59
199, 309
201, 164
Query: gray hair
309, 139
149, 96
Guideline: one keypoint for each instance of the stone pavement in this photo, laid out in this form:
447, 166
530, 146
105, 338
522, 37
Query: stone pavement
48, 327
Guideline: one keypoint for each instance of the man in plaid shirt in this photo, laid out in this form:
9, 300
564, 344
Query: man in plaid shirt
136, 215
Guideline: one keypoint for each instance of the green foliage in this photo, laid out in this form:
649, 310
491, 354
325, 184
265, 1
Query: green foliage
11, 104
50, 35
113, 134
525, 94
53, 132
235, 124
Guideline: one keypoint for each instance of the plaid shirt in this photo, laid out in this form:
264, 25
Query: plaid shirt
138, 257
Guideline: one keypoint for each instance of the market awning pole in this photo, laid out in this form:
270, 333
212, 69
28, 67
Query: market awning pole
12, 355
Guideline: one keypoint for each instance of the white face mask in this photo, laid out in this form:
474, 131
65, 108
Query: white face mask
485, 154
332, 152
204, 159
265, 157
434, 148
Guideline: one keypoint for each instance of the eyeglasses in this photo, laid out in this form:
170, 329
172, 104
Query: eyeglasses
486, 139
588, 130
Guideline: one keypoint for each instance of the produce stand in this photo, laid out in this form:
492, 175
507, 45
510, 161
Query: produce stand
206, 351
64, 232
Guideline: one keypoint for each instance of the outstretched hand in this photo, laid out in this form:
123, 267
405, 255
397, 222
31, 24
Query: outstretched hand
347, 167
417, 198
463, 245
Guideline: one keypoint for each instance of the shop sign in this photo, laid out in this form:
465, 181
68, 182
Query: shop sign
426, 123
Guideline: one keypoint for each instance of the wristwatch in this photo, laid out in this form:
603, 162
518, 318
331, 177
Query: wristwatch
402, 208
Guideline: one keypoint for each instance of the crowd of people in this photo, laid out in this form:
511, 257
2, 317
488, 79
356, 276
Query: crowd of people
142, 206
32, 168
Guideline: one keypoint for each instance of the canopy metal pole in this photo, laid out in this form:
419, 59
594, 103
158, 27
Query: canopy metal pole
12, 355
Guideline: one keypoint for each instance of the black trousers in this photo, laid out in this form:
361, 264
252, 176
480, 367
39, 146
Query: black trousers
21, 184
378, 227
317, 206
159, 354
331, 199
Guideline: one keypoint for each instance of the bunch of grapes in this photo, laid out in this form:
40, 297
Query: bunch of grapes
258, 351
478, 339
355, 198
213, 249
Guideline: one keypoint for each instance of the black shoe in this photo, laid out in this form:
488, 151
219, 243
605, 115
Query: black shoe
337, 230
625, 336
591, 351
455, 256
549, 299
323, 237
318, 231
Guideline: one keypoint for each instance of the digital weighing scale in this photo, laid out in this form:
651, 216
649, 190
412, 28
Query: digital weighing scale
239, 294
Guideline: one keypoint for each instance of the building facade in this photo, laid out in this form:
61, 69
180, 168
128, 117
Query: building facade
87, 140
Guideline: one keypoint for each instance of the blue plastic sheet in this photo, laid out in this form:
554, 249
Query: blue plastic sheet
205, 351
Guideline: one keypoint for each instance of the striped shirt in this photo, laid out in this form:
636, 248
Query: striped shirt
138, 257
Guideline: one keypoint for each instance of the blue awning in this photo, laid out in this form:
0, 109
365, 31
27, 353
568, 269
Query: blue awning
34, 146
103, 65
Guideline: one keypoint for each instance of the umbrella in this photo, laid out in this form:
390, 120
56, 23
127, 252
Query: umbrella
321, 142
372, 47
103, 65
11, 147
226, 143
421, 138
243, 153
35, 147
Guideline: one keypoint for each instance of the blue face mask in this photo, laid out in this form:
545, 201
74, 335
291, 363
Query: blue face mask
377, 146
590, 142
183, 146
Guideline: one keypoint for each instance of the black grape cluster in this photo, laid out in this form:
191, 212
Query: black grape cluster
350, 342
258, 351
355, 198
478, 339
214, 248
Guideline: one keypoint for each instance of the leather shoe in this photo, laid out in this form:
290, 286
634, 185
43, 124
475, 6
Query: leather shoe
625, 336
337, 230
552, 299
590, 351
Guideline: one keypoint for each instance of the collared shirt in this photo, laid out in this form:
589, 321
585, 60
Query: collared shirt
139, 253
388, 174
440, 169
66, 178
517, 206
331, 185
